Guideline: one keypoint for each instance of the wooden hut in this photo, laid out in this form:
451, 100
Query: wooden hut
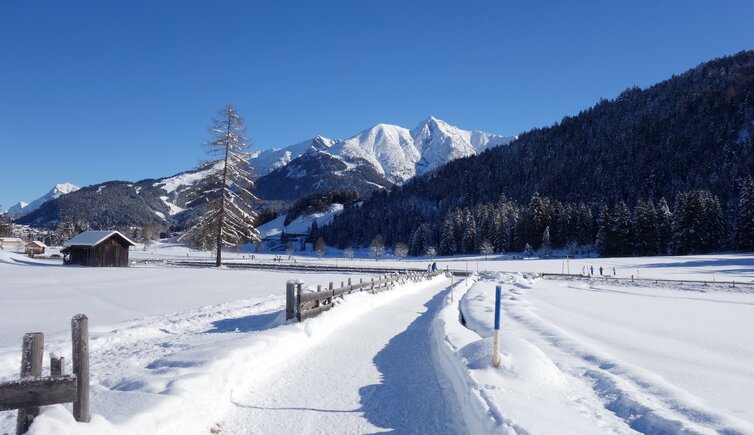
34, 248
11, 243
97, 248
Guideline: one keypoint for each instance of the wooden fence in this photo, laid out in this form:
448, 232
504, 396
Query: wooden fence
303, 305
608, 278
33, 390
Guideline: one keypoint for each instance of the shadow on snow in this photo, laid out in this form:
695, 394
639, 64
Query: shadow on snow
410, 398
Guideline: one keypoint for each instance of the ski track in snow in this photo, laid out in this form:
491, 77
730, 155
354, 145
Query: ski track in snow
373, 375
644, 400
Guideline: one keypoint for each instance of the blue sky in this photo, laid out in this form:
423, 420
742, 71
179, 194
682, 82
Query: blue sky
103, 90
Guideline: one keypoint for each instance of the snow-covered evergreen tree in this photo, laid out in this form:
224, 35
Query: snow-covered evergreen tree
621, 226
546, 246
229, 220
604, 241
745, 217
528, 251
664, 226
645, 229
448, 244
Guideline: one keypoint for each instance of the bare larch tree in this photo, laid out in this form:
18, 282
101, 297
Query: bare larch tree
229, 219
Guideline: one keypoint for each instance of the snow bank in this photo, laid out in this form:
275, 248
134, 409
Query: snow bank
597, 359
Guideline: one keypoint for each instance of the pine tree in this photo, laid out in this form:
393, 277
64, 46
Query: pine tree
604, 241
447, 240
645, 229
528, 251
320, 247
546, 246
745, 217
621, 226
229, 220
664, 226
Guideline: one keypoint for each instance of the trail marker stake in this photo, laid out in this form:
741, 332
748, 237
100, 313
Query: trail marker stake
496, 343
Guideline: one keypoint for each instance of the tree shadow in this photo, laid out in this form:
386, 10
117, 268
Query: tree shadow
410, 398
252, 323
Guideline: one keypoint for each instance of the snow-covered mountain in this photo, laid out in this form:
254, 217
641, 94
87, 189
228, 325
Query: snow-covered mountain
375, 159
22, 208
393, 151
267, 161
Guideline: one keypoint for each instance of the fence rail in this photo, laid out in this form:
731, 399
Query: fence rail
300, 267
643, 280
304, 305
32, 390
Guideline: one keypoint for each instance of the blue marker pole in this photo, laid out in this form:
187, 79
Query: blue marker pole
496, 344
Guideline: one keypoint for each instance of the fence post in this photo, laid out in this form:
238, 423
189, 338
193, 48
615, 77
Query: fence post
290, 300
452, 281
57, 365
80, 336
496, 343
299, 286
350, 287
31, 366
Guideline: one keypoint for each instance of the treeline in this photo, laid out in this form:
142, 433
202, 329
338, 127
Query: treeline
697, 223
692, 132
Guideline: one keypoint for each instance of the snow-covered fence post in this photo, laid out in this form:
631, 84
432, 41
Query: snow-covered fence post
290, 300
496, 343
31, 367
80, 336
452, 281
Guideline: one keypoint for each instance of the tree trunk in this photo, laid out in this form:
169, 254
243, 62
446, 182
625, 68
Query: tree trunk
218, 260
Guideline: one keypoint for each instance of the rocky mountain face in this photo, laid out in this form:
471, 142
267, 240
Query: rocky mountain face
376, 159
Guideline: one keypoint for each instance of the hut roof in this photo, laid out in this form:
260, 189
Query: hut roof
93, 238
38, 243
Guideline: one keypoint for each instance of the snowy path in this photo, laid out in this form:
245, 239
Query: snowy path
375, 374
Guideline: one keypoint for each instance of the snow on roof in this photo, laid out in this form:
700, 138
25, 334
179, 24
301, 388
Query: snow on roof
38, 243
92, 238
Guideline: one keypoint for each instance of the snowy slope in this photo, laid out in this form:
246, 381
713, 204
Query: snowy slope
266, 161
22, 208
301, 224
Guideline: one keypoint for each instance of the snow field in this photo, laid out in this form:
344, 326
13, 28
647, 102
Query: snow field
177, 373
586, 357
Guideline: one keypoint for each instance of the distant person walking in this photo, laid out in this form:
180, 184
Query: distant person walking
591, 269
434, 267
613, 270
600, 270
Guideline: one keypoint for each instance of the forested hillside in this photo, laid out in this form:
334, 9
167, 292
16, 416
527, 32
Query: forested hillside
687, 137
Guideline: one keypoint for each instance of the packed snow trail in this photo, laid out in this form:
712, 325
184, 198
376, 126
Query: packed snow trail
376, 374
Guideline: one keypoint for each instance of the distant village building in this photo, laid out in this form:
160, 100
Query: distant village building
97, 248
34, 248
11, 243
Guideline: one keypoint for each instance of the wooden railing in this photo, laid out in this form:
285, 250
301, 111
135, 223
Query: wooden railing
33, 390
304, 305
